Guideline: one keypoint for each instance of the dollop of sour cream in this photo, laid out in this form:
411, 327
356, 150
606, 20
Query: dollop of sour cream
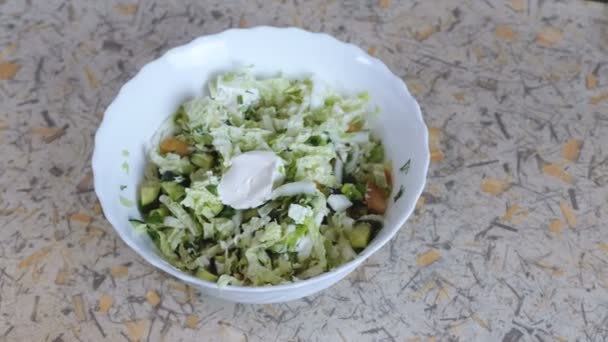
249, 181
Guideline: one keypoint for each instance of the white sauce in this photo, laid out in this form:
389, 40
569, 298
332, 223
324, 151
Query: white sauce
250, 180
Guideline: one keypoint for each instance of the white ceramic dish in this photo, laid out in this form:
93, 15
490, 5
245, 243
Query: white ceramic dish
161, 86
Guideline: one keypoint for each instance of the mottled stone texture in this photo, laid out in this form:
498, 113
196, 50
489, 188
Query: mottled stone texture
509, 241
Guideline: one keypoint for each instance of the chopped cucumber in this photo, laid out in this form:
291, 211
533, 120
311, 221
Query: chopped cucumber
157, 215
139, 226
199, 175
202, 273
377, 154
227, 212
202, 160
249, 214
353, 192
151, 172
173, 190
360, 235
203, 138
357, 210
212, 189
149, 192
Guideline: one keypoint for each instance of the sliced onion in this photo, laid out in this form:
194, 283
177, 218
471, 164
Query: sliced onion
320, 216
338, 170
219, 266
372, 218
339, 202
347, 251
202, 261
342, 151
267, 121
267, 208
351, 165
226, 245
295, 188
334, 137
304, 247
359, 138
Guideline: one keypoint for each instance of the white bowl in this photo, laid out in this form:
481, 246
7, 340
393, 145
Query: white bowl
161, 86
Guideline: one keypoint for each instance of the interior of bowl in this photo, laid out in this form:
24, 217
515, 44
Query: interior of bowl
182, 73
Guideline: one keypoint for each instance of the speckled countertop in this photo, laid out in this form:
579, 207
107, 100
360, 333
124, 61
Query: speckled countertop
509, 241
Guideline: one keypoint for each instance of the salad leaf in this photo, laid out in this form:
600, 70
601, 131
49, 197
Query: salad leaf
181, 214
200, 198
218, 228
171, 162
299, 213
205, 113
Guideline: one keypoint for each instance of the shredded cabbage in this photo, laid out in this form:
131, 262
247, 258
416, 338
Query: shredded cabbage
202, 201
331, 156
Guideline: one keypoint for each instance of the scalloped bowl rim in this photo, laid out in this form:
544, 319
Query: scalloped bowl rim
113, 220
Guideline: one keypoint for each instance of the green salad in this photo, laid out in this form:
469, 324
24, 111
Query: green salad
265, 181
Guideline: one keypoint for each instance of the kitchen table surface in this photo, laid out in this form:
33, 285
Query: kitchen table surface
509, 240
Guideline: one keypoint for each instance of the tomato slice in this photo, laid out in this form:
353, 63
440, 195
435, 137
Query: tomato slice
376, 199
175, 146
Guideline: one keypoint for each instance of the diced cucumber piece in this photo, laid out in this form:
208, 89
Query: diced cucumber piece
199, 175
377, 154
202, 273
212, 189
353, 192
204, 139
149, 192
360, 235
202, 160
357, 210
249, 214
157, 215
173, 190
151, 172
139, 226
227, 212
